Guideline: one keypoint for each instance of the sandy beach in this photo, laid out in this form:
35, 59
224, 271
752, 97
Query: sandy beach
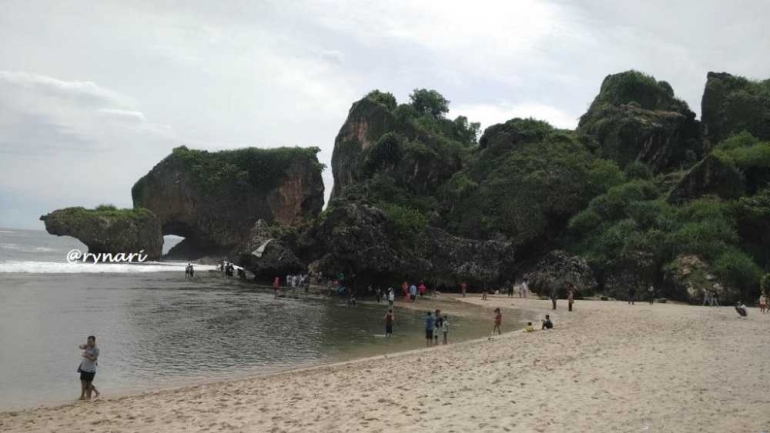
606, 367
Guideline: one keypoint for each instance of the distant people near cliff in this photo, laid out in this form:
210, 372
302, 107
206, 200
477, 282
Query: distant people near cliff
463, 288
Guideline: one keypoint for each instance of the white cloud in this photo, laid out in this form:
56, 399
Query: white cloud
81, 90
490, 114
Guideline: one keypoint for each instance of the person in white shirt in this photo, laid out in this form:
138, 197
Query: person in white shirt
523, 289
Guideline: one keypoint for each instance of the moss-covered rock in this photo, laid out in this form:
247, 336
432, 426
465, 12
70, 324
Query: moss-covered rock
109, 230
733, 104
387, 154
214, 198
636, 118
712, 176
364, 241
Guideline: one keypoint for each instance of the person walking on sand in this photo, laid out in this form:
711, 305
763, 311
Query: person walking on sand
389, 318
762, 303
438, 326
570, 296
422, 289
484, 293
463, 288
554, 295
87, 368
523, 288
413, 292
631, 295
378, 293
430, 324
498, 322
651, 294
509, 288
391, 296
445, 329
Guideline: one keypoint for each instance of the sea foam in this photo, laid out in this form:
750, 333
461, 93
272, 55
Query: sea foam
32, 267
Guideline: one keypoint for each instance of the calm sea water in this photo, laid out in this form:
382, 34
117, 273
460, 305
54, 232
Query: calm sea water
156, 329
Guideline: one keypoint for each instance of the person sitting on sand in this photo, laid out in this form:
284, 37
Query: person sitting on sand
529, 327
762, 303
389, 318
445, 329
498, 322
741, 309
429, 328
87, 368
547, 324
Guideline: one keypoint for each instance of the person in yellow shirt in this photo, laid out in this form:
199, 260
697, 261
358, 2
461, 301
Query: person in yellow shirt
530, 328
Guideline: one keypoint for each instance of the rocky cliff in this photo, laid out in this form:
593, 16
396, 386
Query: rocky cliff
733, 104
391, 153
109, 230
364, 241
213, 199
636, 118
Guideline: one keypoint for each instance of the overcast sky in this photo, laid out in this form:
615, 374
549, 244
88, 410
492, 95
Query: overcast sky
94, 93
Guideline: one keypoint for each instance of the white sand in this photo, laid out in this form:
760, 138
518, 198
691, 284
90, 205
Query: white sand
607, 367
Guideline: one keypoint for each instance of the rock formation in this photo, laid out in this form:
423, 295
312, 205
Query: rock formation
361, 240
711, 176
380, 149
267, 254
734, 104
635, 118
109, 230
213, 199
689, 277
556, 269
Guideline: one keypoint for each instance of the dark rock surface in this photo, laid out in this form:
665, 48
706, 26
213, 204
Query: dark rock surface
733, 104
214, 199
711, 176
556, 269
110, 230
635, 118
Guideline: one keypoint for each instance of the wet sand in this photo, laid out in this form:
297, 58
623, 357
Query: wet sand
606, 367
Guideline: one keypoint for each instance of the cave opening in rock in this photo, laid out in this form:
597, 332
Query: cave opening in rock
182, 243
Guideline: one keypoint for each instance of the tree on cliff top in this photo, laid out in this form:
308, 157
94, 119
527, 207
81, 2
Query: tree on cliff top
429, 102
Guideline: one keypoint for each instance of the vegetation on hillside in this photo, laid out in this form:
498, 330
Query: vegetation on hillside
237, 170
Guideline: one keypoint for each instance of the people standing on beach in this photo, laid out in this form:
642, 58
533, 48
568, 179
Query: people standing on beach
429, 327
87, 368
484, 293
391, 296
631, 295
413, 292
762, 303
570, 296
463, 288
509, 288
547, 324
715, 294
445, 329
422, 289
498, 322
523, 288
438, 325
389, 318
554, 295
378, 294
